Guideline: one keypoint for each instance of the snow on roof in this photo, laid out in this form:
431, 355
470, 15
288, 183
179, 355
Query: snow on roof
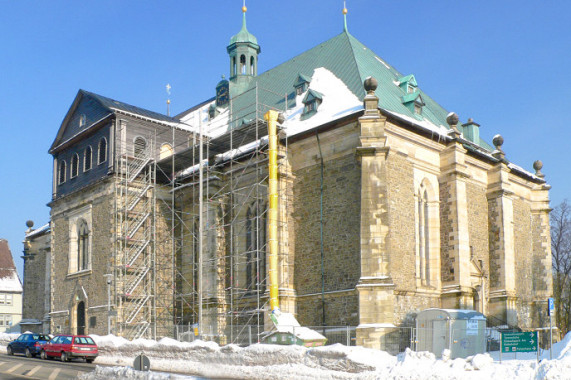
210, 128
424, 124
337, 102
38, 231
9, 280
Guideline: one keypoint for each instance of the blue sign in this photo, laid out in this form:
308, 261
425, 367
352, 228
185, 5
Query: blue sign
550, 306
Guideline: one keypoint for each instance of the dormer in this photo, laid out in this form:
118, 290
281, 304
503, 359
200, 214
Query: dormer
301, 84
408, 84
413, 101
311, 102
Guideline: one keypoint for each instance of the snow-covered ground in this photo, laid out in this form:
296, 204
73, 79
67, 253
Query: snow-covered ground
207, 359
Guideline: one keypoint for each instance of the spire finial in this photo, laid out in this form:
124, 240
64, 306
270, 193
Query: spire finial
244, 10
345, 17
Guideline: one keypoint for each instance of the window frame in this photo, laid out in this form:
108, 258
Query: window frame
104, 151
62, 172
86, 160
74, 166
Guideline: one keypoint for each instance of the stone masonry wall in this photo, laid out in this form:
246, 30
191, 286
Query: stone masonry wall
341, 231
402, 241
523, 262
68, 288
446, 229
478, 226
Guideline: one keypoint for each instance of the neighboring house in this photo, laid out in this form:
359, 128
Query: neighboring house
387, 205
37, 284
10, 291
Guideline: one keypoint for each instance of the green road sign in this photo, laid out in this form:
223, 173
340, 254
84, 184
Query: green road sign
519, 341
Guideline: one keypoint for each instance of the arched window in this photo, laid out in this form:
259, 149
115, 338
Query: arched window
252, 70
234, 66
427, 235
87, 157
62, 170
423, 237
140, 145
243, 64
74, 165
256, 242
102, 153
166, 151
82, 245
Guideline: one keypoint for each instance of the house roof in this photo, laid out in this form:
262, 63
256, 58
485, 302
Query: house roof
9, 280
105, 108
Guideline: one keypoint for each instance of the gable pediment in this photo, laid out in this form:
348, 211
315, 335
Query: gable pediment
84, 113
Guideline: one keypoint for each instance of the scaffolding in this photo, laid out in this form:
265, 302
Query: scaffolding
192, 227
134, 259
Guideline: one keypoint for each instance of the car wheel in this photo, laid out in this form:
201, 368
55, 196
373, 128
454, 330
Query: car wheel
43, 355
88, 360
28, 353
9, 350
64, 357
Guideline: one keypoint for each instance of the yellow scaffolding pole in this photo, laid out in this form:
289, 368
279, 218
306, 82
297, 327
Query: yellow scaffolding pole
271, 117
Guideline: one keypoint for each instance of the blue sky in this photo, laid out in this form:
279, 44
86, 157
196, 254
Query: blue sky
504, 63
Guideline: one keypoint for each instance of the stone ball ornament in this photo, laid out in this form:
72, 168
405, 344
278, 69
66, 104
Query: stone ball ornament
370, 84
29, 223
537, 165
498, 141
452, 118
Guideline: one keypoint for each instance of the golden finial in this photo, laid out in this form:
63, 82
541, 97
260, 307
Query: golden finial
244, 9
344, 8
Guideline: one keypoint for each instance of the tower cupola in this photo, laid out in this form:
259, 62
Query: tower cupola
243, 51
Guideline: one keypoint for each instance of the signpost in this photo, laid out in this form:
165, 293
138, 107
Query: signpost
550, 310
519, 342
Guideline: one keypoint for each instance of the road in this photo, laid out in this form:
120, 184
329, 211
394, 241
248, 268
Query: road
20, 367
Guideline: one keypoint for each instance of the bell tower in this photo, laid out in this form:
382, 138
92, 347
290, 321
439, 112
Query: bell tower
243, 51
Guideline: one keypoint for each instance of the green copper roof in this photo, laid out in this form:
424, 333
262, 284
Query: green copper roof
312, 95
352, 62
243, 35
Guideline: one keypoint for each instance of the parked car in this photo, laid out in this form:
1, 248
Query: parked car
67, 347
28, 344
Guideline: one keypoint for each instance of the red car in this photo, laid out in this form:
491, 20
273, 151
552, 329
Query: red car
67, 347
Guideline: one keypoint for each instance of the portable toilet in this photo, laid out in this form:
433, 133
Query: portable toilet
463, 332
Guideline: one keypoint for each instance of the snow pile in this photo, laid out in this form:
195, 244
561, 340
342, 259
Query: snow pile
260, 361
127, 373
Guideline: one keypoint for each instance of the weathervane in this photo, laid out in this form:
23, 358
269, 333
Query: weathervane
168, 87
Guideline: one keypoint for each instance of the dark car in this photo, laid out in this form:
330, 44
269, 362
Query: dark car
67, 347
28, 344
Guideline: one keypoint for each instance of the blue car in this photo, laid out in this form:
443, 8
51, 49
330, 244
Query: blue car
28, 344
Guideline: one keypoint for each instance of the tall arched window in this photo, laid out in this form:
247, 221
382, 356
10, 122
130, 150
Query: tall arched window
87, 157
243, 64
140, 145
74, 165
423, 237
252, 70
256, 242
82, 245
234, 69
62, 170
102, 153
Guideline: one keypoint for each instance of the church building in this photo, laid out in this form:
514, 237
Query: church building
388, 204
